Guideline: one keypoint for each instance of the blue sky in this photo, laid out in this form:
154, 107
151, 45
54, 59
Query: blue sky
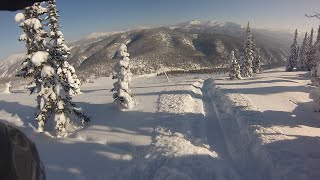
82, 17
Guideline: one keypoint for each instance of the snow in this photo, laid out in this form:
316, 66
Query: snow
47, 71
19, 17
23, 37
39, 57
272, 123
123, 145
8, 86
33, 23
194, 127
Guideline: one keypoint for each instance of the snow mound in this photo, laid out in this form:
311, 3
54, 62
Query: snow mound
33, 23
269, 127
39, 57
19, 17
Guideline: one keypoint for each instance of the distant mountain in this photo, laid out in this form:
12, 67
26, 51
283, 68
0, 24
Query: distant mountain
188, 45
11, 64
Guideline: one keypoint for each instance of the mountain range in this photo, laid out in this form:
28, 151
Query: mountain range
186, 46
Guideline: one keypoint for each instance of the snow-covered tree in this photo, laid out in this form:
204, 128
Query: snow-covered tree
294, 53
270, 62
35, 38
55, 79
302, 60
246, 66
311, 60
317, 49
60, 82
234, 67
8, 88
318, 36
122, 93
256, 64
315, 71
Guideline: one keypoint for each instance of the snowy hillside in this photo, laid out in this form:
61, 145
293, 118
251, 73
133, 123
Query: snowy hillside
189, 45
194, 127
157, 48
9, 65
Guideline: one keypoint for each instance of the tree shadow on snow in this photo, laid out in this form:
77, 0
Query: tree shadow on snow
25, 113
258, 82
173, 92
299, 156
302, 115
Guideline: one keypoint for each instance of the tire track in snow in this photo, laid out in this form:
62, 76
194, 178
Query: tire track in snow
216, 140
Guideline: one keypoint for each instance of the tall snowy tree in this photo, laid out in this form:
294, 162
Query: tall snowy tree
317, 49
318, 36
311, 60
55, 80
302, 60
294, 53
246, 66
234, 67
256, 64
35, 38
8, 88
60, 82
122, 93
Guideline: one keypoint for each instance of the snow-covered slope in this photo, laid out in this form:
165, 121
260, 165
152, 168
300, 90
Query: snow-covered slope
164, 137
11, 64
190, 46
190, 128
272, 121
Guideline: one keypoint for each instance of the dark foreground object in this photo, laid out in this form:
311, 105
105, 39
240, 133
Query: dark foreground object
14, 5
19, 158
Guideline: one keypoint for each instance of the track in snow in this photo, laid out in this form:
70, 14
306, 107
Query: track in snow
216, 140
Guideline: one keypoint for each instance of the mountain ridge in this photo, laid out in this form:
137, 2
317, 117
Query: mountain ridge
188, 45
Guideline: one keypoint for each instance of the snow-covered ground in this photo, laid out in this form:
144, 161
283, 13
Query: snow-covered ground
269, 120
164, 137
193, 127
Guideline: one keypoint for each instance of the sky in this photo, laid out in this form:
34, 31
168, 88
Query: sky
79, 18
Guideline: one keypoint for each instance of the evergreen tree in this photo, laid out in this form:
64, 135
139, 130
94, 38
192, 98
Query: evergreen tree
122, 93
269, 64
302, 61
294, 52
60, 84
234, 67
34, 36
311, 61
8, 88
318, 36
316, 57
55, 80
256, 64
246, 66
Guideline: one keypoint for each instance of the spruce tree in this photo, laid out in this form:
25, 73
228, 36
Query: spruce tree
294, 52
34, 36
8, 88
318, 36
60, 84
55, 81
256, 64
234, 67
317, 49
121, 88
311, 61
302, 61
246, 66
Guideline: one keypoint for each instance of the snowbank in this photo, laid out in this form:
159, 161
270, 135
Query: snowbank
237, 115
179, 149
269, 124
39, 57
